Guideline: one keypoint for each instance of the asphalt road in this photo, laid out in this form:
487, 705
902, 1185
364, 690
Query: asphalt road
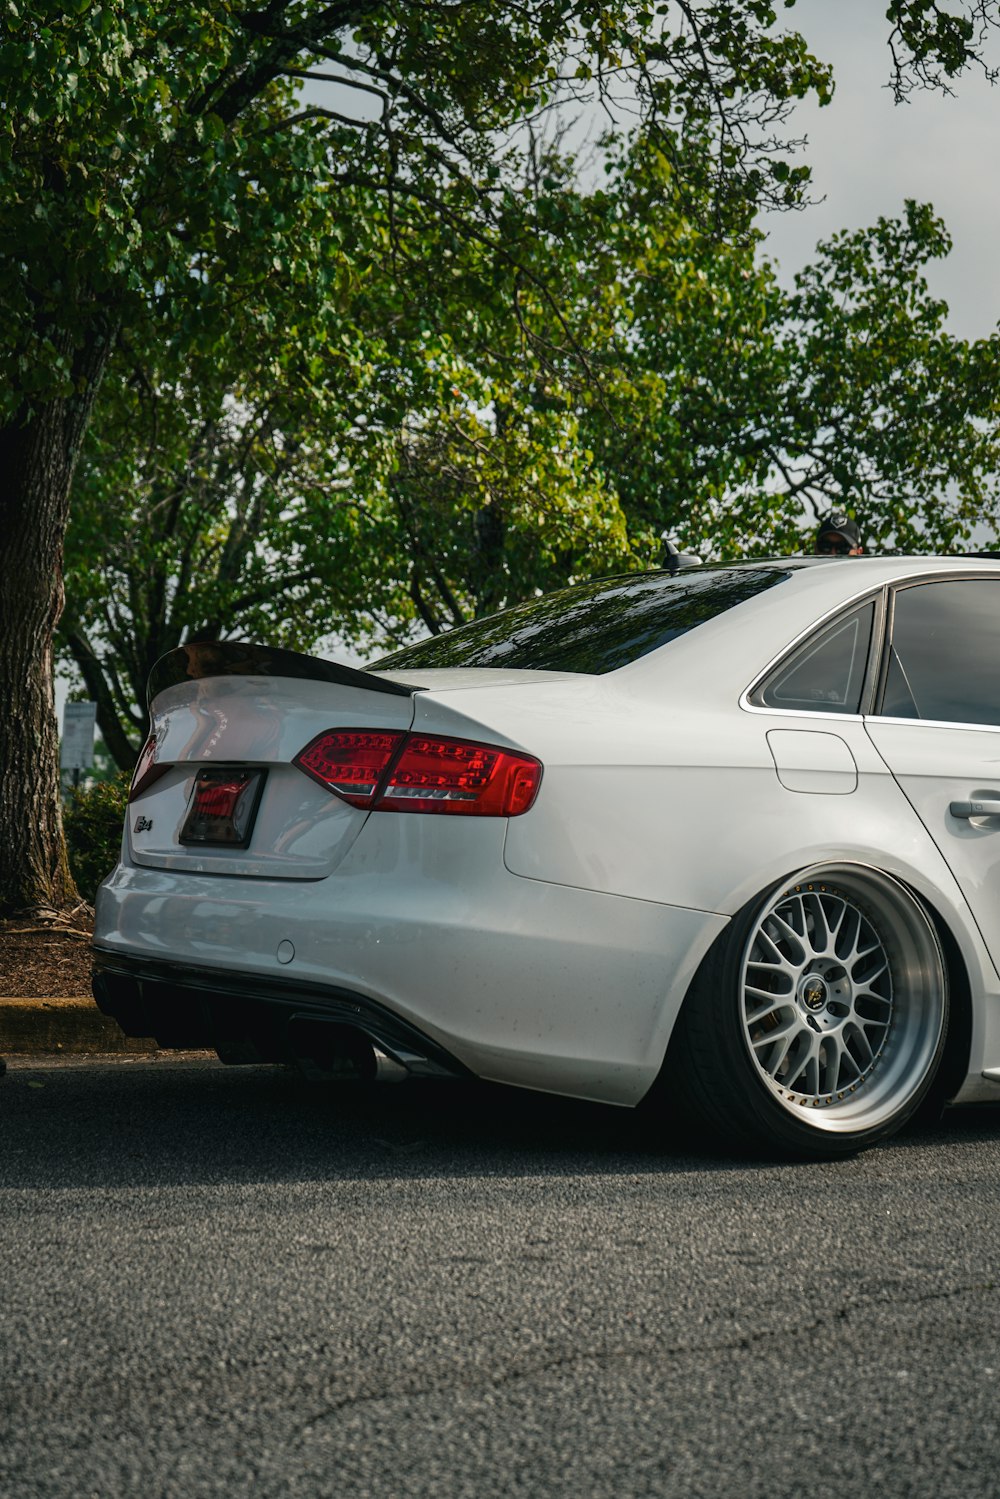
224, 1282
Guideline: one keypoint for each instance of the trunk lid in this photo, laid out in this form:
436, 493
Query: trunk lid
243, 712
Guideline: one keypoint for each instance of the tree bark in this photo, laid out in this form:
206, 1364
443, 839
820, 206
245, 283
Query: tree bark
38, 452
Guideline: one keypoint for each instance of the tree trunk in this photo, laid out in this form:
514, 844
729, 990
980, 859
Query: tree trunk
38, 452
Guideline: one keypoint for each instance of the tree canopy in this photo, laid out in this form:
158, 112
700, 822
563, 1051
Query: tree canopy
472, 464
162, 176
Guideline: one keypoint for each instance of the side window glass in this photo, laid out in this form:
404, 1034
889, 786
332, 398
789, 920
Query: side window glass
897, 699
944, 657
827, 673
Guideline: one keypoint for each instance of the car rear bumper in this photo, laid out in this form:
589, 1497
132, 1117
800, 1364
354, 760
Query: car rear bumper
248, 1019
516, 980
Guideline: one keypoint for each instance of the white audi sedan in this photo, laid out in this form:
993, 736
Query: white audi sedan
725, 844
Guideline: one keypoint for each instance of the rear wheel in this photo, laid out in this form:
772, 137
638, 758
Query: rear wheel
817, 1022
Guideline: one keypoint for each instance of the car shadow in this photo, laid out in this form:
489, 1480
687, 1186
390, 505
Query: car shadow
174, 1122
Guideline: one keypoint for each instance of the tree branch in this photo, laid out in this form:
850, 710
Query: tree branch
120, 747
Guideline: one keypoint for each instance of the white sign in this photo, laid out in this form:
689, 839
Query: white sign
77, 751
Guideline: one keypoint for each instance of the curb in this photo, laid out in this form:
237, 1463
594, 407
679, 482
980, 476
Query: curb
68, 1026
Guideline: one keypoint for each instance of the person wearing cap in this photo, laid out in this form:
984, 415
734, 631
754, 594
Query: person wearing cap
838, 536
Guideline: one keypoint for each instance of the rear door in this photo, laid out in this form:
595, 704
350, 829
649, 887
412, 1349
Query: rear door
937, 726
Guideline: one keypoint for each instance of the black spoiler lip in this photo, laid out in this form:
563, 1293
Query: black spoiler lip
244, 658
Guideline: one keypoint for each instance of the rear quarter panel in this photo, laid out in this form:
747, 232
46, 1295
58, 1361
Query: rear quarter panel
673, 796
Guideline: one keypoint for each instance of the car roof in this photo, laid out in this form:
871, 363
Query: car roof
736, 646
894, 562
740, 641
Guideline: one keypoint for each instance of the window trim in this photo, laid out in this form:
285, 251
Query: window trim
875, 596
963, 575
934, 723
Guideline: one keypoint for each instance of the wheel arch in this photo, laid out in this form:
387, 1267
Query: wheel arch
950, 1071
955, 1061
957, 1058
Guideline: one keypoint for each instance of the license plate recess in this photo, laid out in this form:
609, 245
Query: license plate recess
223, 806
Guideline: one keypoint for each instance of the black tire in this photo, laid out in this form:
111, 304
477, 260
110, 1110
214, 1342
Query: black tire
816, 1023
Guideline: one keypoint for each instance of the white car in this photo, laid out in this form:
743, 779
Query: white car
726, 842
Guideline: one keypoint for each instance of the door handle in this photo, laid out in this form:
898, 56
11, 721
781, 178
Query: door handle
975, 809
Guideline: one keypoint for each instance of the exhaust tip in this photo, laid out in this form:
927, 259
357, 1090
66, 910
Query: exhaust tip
329, 1051
388, 1069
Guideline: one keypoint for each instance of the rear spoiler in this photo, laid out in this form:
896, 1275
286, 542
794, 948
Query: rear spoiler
242, 658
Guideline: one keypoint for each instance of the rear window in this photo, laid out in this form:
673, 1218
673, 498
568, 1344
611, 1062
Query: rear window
594, 627
827, 673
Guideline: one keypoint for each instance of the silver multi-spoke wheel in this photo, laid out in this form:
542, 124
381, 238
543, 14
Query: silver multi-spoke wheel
843, 998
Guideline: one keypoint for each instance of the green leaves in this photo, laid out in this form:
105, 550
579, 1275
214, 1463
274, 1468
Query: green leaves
163, 132
931, 46
906, 416
385, 359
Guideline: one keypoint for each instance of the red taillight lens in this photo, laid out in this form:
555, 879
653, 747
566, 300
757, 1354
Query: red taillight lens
146, 771
422, 773
350, 762
454, 775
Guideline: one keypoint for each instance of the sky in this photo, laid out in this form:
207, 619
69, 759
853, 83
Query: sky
869, 154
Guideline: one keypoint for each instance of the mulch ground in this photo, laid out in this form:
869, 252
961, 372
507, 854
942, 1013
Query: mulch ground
46, 956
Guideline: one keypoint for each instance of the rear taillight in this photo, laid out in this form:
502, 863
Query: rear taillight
350, 762
453, 775
147, 770
422, 773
